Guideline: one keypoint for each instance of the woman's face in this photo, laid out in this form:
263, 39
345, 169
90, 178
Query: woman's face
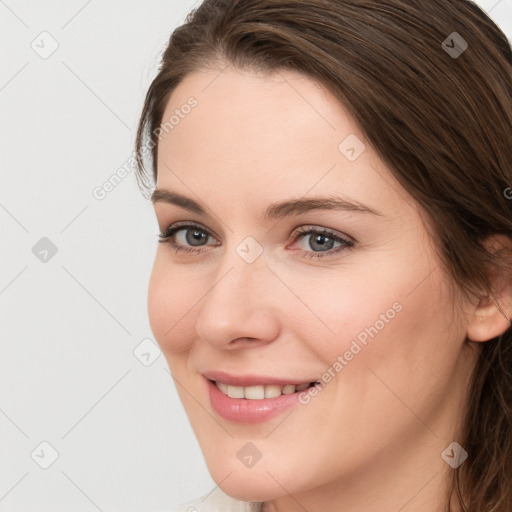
271, 296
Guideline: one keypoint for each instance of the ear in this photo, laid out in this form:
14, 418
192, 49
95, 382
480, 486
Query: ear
492, 315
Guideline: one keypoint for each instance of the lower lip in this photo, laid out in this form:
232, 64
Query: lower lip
242, 410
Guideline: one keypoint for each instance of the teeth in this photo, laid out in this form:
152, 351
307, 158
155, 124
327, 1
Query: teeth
254, 392
223, 387
272, 391
288, 389
260, 392
235, 392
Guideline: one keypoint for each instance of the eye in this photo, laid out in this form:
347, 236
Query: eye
192, 238
323, 241
193, 234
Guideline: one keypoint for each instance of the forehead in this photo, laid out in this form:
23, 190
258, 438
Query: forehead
280, 115
266, 136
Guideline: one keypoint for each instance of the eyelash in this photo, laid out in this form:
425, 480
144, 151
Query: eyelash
165, 237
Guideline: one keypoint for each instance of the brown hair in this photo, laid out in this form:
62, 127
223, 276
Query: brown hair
441, 121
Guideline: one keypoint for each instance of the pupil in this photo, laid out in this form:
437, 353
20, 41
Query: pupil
197, 236
322, 244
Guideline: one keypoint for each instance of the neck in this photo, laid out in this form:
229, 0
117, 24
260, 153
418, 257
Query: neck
416, 479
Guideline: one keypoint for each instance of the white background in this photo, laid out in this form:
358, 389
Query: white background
69, 326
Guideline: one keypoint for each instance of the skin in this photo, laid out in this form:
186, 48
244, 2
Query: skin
372, 439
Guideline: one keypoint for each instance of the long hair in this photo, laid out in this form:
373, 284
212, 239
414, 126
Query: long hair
429, 82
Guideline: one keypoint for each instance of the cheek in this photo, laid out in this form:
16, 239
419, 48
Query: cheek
390, 322
409, 346
170, 307
340, 307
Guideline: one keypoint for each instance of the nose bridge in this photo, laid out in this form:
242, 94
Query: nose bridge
238, 302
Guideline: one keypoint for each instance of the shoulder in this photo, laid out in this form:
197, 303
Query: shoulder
217, 501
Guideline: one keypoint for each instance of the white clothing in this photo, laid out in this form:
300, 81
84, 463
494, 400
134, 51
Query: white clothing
218, 501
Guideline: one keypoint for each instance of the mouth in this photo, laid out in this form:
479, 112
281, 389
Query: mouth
261, 391
252, 399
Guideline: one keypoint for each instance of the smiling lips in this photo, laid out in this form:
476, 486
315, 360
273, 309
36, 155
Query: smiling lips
250, 398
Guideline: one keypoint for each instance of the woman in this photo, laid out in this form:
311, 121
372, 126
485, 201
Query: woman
333, 288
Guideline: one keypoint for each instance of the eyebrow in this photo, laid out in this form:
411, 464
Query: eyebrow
275, 210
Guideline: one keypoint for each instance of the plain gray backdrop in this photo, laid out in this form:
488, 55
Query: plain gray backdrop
89, 416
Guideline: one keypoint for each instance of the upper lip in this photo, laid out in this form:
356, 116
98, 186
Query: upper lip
251, 380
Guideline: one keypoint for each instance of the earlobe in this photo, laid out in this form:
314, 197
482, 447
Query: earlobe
488, 321
491, 317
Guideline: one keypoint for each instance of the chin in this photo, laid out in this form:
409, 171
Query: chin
245, 487
263, 482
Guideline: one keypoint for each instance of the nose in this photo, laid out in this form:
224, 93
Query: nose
240, 305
